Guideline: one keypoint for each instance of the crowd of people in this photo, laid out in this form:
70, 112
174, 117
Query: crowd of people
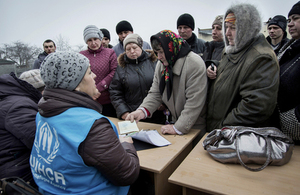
54, 127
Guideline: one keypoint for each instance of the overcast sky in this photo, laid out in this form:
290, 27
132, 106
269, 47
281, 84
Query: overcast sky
33, 21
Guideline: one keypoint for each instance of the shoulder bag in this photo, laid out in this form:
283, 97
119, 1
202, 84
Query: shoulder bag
239, 144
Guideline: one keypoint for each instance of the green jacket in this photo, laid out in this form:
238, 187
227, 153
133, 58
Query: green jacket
245, 90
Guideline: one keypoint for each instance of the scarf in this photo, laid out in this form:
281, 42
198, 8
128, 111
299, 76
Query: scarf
174, 48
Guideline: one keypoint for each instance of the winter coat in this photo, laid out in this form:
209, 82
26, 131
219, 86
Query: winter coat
245, 90
39, 60
103, 64
18, 108
197, 45
131, 83
289, 89
119, 49
280, 44
213, 51
118, 162
187, 100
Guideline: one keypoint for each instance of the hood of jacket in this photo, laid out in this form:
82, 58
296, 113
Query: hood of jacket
123, 59
248, 25
11, 85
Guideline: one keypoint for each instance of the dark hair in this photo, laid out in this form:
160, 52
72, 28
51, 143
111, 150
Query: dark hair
49, 41
155, 44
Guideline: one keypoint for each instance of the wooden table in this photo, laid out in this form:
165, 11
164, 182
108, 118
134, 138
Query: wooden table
199, 172
162, 161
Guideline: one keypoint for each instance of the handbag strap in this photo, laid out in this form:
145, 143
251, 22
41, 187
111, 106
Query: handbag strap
268, 146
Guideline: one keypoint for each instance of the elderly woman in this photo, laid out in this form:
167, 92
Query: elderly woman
179, 81
244, 91
76, 149
133, 79
103, 63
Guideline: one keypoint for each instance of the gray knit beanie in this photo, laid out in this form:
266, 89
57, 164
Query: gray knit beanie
91, 31
64, 70
133, 38
33, 77
218, 20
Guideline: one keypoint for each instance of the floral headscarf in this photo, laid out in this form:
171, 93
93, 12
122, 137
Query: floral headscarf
174, 48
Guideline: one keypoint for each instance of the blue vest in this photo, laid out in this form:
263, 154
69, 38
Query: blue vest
56, 166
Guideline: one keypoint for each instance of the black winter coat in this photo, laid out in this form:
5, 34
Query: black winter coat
18, 108
131, 83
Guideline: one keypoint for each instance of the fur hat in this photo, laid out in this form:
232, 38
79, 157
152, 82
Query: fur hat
186, 19
218, 20
278, 21
91, 31
133, 38
64, 70
33, 77
105, 33
123, 26
295, 9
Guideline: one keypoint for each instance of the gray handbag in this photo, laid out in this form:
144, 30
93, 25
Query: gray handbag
238, 144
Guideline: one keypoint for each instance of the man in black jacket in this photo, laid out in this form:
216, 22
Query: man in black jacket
49, 47
277, 32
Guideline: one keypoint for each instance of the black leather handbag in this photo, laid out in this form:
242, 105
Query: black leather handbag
238, 144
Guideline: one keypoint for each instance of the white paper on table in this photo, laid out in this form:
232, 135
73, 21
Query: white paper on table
127, 127
151, 137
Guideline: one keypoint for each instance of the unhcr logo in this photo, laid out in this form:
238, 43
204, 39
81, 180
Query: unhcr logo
46, 143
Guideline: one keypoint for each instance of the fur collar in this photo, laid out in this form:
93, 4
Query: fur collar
149, 55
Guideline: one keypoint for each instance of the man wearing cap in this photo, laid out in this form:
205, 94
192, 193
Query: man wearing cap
244, 92
277, 32
185, 27
215, 47
49, 47
124, 28
19, 98
103, 63
106, 38
289, 88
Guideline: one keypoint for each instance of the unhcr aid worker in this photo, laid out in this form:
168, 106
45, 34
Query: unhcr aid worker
76, 149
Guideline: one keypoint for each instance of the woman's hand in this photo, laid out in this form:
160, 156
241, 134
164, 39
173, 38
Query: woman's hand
212, 74
125, 139
124, 115
168, 129
136, 115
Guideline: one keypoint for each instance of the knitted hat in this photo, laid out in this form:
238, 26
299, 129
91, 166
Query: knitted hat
105, 33
218, 20
230, 18
64, 70
123, 26
295, 9
186, 19
91, 31
133, 38
279, 21
33, 77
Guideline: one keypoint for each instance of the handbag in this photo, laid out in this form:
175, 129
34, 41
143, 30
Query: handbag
16, 186
246, 145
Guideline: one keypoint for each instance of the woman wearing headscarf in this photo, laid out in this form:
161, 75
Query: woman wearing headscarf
179, 81
76, 149
103, 63
133, 79
245, 90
